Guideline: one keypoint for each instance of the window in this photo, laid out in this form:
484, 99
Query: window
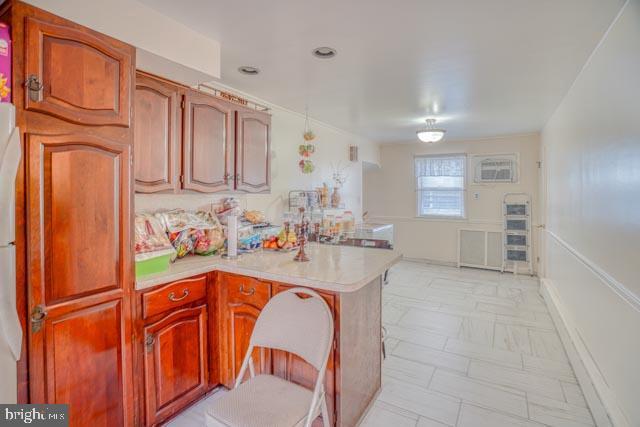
440, 186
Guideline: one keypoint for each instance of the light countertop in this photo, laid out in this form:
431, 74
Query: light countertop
332, 268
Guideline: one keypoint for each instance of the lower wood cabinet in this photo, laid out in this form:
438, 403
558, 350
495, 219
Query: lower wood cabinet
175, 362
240, 300
174, 347
195, 332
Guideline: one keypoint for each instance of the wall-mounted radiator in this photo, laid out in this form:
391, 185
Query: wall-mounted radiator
480, 249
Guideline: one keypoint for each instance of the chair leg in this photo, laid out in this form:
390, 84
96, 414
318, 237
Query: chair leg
326, 420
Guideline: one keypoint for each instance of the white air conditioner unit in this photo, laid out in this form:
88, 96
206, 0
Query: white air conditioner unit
480, 249
495, 168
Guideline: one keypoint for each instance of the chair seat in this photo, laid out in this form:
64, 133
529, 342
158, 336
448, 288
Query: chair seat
262, 401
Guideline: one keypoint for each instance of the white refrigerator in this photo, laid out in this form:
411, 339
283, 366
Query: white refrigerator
10, 329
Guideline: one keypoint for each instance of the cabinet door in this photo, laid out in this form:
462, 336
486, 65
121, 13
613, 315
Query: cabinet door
79, 278
295, 369
175, 362
85, 76
240, 301
207, 144
253, 152
157, 135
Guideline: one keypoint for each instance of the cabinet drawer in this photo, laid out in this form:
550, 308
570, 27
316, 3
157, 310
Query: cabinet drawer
172, 295
242, 289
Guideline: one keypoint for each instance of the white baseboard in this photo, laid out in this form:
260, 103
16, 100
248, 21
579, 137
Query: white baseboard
430, 261
602, 402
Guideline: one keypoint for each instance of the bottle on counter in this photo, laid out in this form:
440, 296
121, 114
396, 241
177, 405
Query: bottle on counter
349, 222
339, 224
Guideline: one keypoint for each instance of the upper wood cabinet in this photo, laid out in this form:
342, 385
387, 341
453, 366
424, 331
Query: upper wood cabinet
157, 135
80, 276
253, 151
207, 143
189, 140
77, 74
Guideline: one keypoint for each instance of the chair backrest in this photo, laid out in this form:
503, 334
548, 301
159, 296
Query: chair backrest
302, 326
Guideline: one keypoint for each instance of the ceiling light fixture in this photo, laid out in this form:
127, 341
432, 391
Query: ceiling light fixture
248, 70
324, 52
429, 133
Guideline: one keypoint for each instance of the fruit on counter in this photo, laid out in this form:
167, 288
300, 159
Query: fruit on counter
270, 243
285, 241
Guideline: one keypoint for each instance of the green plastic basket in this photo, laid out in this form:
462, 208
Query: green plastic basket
153, 265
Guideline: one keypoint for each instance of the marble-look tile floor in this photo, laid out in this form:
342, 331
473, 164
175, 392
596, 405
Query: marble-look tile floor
466, 348
472, 348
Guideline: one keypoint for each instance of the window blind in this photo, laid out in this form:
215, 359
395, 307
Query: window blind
440, 186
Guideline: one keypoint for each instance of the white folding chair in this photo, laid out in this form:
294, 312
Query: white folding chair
302, 326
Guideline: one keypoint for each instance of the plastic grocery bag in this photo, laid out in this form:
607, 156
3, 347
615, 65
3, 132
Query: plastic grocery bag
190, 232
150, 235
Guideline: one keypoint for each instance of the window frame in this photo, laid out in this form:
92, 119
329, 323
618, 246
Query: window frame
418, 190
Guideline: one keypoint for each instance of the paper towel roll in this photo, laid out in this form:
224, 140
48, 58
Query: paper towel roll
232, 236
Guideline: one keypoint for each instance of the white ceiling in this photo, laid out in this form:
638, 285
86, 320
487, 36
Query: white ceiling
487, 67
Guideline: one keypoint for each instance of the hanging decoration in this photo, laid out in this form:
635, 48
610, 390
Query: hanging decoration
306, 149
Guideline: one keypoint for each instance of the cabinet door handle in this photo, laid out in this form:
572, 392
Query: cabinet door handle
247, 293
172, 295
34, 86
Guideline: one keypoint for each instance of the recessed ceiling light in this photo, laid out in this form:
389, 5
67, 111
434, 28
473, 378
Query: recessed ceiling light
248, 70
324, 52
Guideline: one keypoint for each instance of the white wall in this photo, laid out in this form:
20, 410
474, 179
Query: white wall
389, 194
332, 146
592, 146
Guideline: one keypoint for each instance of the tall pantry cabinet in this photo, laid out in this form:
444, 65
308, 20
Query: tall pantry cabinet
73, 90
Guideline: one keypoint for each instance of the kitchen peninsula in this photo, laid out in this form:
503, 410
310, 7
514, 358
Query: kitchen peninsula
194, 321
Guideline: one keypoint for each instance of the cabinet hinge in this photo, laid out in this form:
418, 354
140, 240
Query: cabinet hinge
539, 165
181, 179
183, 104
149, 342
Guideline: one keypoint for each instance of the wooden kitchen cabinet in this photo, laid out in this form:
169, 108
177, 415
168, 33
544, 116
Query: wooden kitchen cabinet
72, 94
175, 362
240, 300
175, 346
208, 143
80, 276
76, 74
253, 151
157, 137
187, 140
